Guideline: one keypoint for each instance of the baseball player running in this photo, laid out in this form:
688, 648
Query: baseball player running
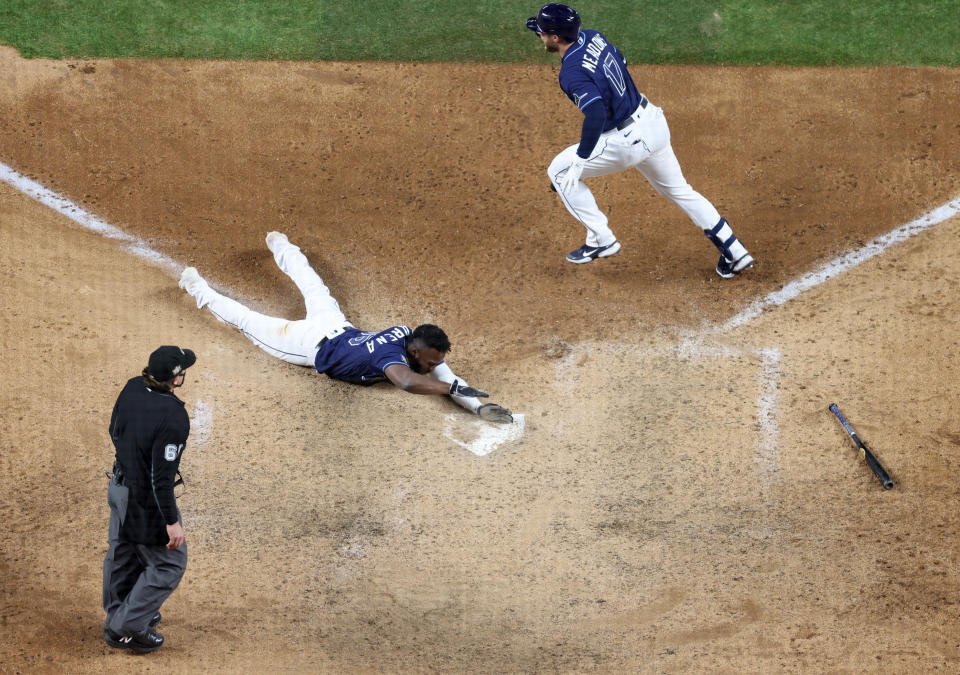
621, 129
325, 340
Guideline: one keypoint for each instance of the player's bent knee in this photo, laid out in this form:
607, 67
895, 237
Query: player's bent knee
559, 164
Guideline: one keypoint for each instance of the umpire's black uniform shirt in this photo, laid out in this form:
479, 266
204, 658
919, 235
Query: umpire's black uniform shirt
149, 430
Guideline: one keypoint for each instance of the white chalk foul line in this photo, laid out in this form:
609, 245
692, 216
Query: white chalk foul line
77, 214
843, 263
201, 422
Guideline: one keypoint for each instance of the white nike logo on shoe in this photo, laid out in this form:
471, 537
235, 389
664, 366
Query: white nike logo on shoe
586, 253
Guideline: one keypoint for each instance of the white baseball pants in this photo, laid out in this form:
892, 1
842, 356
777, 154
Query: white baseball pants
293, 341
645, 146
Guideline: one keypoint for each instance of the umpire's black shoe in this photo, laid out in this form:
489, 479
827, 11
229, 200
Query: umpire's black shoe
107, 633
144, 642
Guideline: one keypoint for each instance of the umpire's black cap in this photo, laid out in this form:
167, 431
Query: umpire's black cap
167, 362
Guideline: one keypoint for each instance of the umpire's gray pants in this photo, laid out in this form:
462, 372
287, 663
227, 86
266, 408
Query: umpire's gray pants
137, 578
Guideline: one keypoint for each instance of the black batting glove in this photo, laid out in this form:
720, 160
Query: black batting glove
457, 389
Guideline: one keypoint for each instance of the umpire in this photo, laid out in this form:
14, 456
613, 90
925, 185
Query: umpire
147, 554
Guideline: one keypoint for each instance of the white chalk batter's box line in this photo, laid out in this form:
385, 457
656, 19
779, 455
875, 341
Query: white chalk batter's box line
694, 348
486, 441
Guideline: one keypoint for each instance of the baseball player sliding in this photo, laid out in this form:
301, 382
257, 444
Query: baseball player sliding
621, 129
325, 340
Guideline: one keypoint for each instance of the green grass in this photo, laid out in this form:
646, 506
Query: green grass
789, 32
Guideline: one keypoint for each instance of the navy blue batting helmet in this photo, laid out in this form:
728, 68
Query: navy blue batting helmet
556, 19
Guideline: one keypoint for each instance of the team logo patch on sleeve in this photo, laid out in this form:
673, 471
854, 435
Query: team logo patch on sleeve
171, 452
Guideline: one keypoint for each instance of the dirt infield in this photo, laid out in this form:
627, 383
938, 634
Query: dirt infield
680, 499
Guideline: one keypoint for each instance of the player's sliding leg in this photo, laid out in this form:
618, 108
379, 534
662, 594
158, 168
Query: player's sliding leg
321, 306
293, 341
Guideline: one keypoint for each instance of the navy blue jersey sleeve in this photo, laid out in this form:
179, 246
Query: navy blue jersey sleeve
579, 88
594, 119
390, 355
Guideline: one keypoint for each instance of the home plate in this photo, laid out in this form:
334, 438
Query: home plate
479, 437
